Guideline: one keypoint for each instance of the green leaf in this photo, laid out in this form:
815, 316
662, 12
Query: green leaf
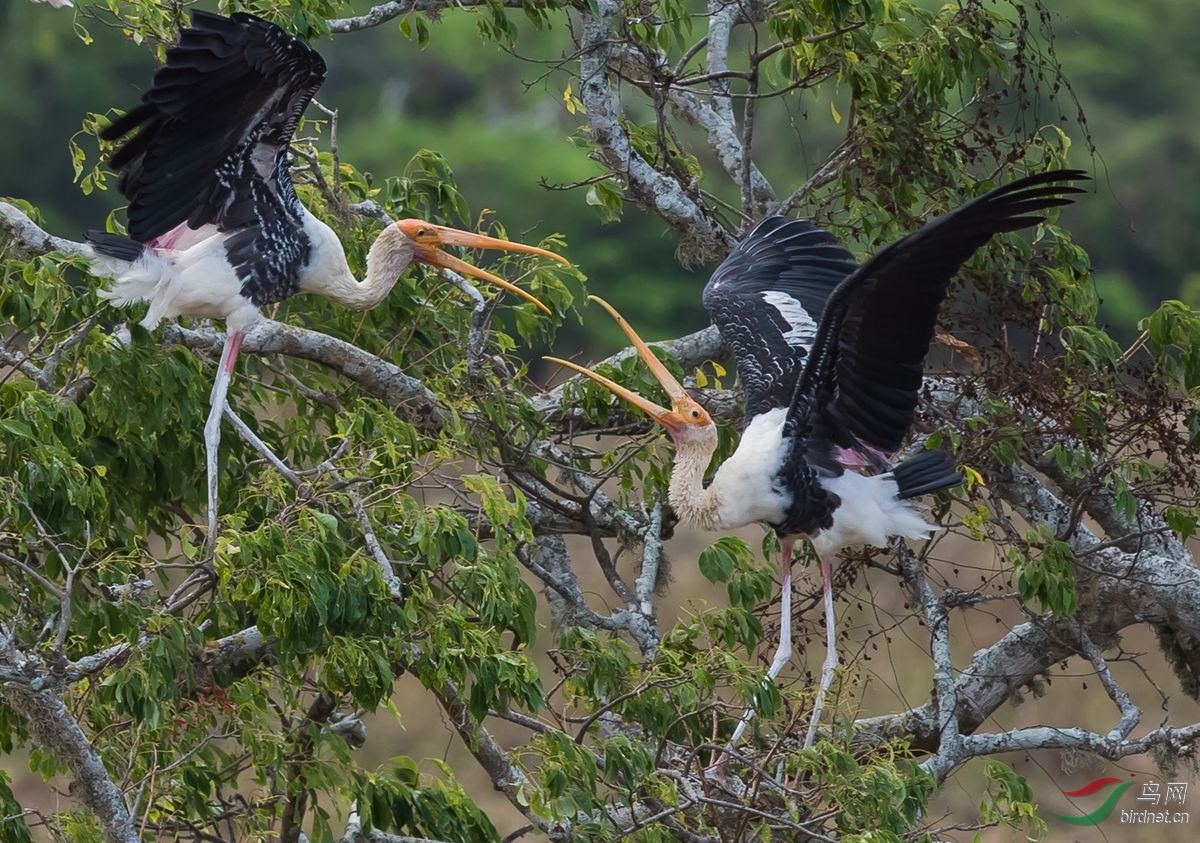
1182, 521
718, 560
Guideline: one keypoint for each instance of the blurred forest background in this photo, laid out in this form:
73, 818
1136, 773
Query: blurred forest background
504, 125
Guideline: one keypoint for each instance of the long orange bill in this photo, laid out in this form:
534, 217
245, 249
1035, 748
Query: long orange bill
430, 239
684, 410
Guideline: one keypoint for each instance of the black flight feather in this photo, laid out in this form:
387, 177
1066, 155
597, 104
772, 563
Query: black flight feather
863, 374
766, 299
859, 384
927, 472
212, 145
114, 245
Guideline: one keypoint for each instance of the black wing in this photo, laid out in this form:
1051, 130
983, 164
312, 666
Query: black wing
767, 298
213, 134
865, 369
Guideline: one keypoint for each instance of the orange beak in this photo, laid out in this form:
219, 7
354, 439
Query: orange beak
428, 240
684, 410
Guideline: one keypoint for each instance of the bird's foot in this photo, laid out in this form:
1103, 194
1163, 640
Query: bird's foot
831, 655
827, 672
718, 770
251, 439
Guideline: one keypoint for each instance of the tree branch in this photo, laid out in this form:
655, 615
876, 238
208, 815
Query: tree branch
721, 17
355, 834
393, 9
24, 231
56, 730
994, 675
937, 618
1178, 742
755, 193
296, 801
1131, 715
652, 550
506, 776
722, 133
410, 398
233, 652
827, 172
665, 196
1116, 590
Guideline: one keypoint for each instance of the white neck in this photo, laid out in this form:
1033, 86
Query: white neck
329, 274
744, 489
692, 502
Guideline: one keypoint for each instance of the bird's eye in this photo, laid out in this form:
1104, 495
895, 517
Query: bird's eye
422, 232
695, 413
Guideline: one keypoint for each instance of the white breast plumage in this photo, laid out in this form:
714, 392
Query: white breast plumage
746, 481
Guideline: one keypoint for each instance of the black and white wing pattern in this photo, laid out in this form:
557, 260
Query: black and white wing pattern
212, 144
767, 298
865, 369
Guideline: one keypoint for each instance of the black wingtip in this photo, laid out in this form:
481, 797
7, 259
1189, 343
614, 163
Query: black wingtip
1055, 175
1015, 205
1047, 183
925, 473
127, 122
114, 245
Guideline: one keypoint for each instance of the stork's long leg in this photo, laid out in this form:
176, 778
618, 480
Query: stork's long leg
831, 656
783, 653
212, 428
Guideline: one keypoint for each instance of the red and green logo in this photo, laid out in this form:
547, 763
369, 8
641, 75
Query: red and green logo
1101, 813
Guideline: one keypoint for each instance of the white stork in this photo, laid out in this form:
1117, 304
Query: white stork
830, 357
215, 227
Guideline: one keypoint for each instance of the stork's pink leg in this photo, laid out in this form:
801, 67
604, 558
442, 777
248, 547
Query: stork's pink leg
212, 428
831, 657
783, 653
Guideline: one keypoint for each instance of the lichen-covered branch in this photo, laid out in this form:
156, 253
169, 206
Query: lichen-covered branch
937, 617
719, 127
1116, 589
236, 652
654, 190
1178, 741
652, 550
1131, 715
55, 729
991, 679
755, 192
721, 17
384, 12
354, 833
30, 236
506, 776
410, 398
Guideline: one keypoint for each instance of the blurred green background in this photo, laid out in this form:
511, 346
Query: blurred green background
500, 120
